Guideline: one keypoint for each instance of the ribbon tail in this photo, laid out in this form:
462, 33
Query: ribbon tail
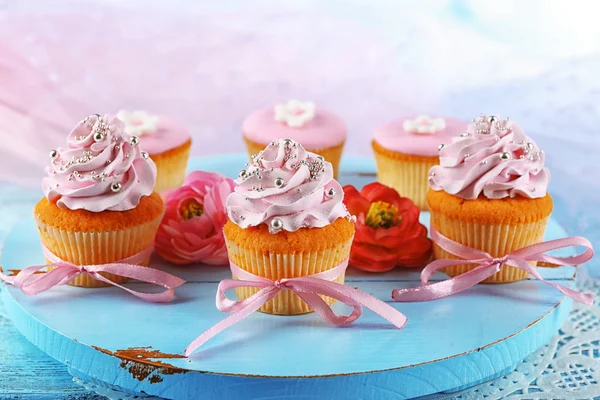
439, 265
583, 298
227, 305
140, 273
448, 287
379, 307
260, 298
31, 283
307, 289
324, 311
6, 278
161, 297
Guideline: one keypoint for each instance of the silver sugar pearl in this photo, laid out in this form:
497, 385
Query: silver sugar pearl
53, 154
330, 192
107, 162
117, 147
467, 155
320, 158
144, 154
242, 173
98, 137
491, 119
521, 156
530, 146
134, 140
441, 146
464, 134
505, 156
279, 182
116, 186
276, 223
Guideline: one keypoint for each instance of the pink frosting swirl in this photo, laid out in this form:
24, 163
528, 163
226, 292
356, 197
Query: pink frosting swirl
101, 169
287, 188
492, 157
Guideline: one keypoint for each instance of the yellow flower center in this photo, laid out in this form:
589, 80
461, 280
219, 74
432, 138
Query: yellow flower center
382, 215
189, 209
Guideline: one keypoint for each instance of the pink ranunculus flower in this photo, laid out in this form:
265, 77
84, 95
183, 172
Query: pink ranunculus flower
192, 229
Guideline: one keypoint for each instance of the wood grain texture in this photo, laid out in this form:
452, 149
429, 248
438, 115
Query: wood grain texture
27, 373
447, 345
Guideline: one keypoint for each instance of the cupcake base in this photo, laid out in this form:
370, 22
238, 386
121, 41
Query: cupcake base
331, 154
495, 226
86, 238
288, 255
406, 173
171, 166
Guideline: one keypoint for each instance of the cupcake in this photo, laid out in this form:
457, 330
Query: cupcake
489, 193
167, 141
319, 131
99, 205
287, 220
407, 148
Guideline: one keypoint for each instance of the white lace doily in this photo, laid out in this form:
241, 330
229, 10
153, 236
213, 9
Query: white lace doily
566, 368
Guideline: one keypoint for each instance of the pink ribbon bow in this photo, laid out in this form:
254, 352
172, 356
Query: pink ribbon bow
64, 272
488, 266
308, 288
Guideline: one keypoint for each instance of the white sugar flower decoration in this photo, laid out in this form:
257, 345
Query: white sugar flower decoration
424, 125
295, 113
138, 123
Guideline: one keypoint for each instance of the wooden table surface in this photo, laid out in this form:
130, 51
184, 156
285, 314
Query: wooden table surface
28, 373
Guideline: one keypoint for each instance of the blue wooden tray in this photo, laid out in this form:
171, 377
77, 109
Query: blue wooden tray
119, 341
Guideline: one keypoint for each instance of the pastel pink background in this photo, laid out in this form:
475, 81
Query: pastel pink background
210, 63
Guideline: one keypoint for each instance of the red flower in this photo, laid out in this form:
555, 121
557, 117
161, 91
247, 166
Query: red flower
388, 231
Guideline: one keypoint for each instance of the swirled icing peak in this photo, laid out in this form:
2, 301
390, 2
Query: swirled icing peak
287, 188
493, 158
102, 168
